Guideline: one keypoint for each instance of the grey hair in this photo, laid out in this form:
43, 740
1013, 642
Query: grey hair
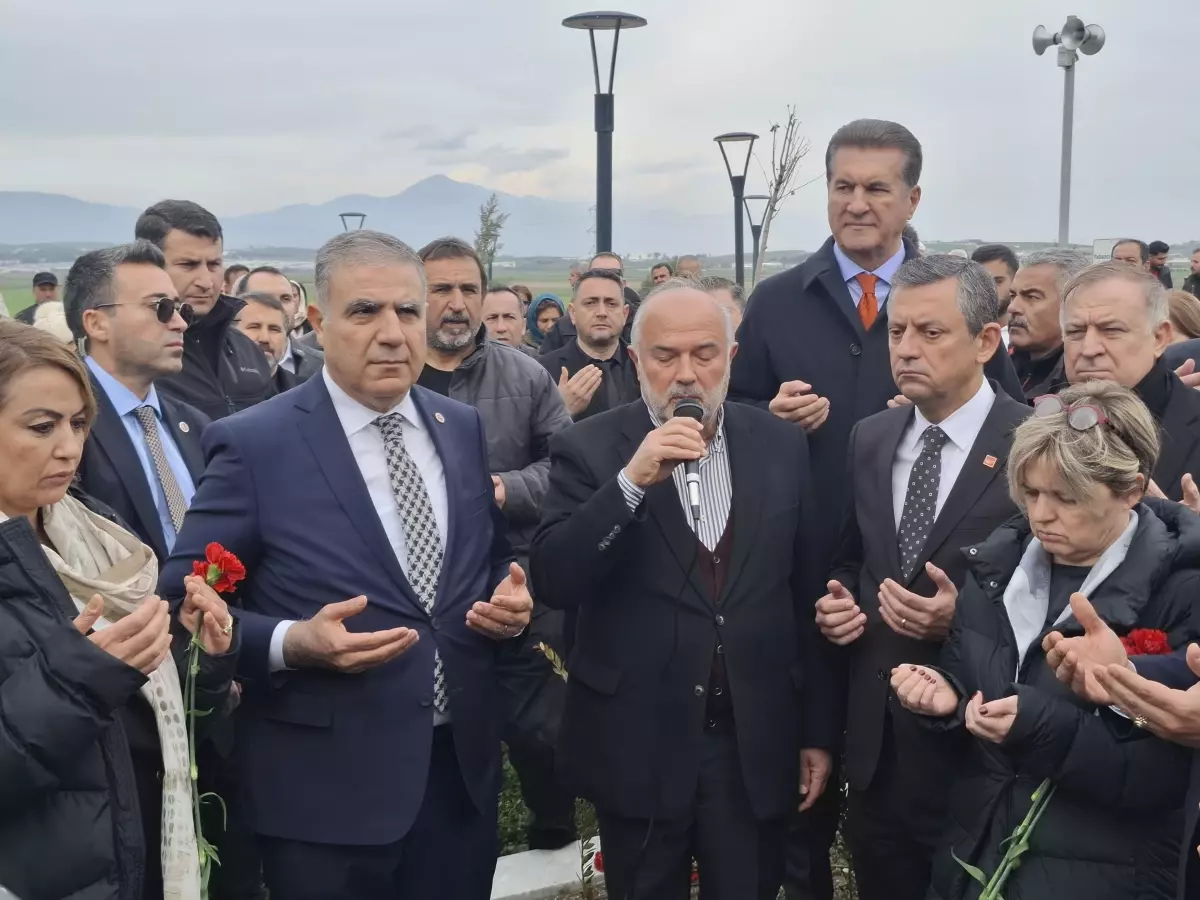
977, 300
90, 282
1111, 455
363, 248
877, 134
1158, 306
674, 284
1069, 263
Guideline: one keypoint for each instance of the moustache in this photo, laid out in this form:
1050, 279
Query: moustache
1017, 322
455, 319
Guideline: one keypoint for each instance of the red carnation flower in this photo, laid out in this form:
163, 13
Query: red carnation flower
220, 569
1146, 642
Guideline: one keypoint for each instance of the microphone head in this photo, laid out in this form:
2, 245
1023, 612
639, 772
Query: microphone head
689, 409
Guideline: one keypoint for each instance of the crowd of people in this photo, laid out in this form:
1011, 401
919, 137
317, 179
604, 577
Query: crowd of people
904, 544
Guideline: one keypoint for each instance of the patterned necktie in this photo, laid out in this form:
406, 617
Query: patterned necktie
421, 538
868, 306
176, 505
920, 503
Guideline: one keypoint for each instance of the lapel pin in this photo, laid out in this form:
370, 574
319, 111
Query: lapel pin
990, 462
440, 418
183, 426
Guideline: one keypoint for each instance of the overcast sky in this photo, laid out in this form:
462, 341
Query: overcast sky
247, 105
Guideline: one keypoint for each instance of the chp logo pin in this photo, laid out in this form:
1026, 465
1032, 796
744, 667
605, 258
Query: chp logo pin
184, 427
441, 420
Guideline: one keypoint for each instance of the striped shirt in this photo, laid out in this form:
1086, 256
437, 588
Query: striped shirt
716, 489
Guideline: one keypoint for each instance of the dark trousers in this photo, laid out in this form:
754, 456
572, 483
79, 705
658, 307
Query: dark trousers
739, 857
810, 836
533, 699
893, 826
450, 851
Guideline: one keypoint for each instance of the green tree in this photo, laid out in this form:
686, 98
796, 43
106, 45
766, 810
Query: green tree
487, 237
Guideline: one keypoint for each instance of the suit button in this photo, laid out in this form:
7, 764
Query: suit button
698, 690
717, 692
720, 620
855, 350
436, 623
426, 702
716, 560
881, 675
720, 649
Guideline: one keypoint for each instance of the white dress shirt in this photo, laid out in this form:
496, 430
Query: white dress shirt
961, 427
288, 360
366, 443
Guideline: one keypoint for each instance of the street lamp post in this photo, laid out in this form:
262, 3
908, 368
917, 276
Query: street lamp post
739, 189
1075, 38
756, 227
591, 22
347, 216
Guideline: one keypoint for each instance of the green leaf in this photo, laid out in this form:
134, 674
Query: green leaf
974, 871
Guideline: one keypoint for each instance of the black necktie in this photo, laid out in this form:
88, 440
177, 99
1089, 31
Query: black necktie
920, 502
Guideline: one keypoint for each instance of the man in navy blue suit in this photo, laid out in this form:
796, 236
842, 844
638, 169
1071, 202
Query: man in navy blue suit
369, 746
1158, 693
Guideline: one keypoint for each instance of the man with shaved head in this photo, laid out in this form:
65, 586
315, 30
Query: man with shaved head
675, 528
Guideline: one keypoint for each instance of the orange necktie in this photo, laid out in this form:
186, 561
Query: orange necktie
868, 306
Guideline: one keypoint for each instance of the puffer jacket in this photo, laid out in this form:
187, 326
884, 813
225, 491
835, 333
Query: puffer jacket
223, 370
1111, 830
70, 824
521, 408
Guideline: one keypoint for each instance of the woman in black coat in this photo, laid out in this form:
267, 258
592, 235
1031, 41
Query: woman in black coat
95, 798
1078, 470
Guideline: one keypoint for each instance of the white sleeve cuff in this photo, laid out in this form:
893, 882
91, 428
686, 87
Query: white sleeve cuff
276, 653
632, 493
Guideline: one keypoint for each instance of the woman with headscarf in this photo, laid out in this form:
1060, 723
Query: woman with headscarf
543, 312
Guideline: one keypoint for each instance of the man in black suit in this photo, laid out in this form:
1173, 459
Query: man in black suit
1115, 327
697, 674
814, 350
925, 480
143, 456
564, 331
594, 371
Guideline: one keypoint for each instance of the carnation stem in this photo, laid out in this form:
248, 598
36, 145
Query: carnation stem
193, 669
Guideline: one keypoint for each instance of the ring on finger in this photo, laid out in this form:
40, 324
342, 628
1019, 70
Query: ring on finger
227, 628
904, 624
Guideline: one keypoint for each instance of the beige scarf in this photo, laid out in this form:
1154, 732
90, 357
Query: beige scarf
93, 556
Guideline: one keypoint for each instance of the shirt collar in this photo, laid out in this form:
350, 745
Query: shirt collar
124, 400
355, 417
885, 273
718, 442
287, 354
961, 426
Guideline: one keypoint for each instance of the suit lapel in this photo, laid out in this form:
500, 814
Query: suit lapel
108, 431
992, 443
885, 456
746, 482
188, 442
323, 432
829, 275
663, 505
1179, 437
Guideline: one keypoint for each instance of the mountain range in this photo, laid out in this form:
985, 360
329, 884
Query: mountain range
430, 208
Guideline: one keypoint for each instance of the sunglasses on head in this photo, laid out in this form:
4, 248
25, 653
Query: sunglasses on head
164, 309
1081, 416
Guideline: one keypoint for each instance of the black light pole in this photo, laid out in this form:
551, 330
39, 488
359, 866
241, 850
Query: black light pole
605, 120
362, 217
756, 227
739, 189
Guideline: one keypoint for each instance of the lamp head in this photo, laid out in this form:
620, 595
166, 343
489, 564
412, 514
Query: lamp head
604, 20
1073, 33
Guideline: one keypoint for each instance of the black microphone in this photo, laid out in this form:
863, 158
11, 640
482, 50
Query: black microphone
691, 409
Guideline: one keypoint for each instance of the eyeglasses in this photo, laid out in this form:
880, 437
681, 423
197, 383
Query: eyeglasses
1081, 416
164, 308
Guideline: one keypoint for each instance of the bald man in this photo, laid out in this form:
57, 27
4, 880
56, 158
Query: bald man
698, 675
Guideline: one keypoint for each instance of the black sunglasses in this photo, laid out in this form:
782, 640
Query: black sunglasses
164, 308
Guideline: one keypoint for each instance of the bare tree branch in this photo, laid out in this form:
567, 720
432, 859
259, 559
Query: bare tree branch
787, 151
